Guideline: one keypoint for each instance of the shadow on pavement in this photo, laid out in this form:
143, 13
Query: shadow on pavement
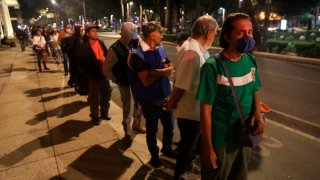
99, 163
38, 91
147, 172
65, 94
255, 159
62, 111
58, 135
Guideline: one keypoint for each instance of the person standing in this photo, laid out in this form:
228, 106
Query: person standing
149, 69
39, 45
21, 35
91, 54
116, 69
191, 56
64, 36
74, 42
222, 156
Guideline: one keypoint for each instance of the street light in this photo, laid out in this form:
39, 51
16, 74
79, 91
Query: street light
240, 1
55, 12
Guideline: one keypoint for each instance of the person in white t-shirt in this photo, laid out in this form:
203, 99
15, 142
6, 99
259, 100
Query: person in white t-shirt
191, 56
39, 45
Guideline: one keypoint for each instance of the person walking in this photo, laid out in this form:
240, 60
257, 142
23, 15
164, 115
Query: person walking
149, 69
116, 69
222, 156
191, 56
91, 54
39, 45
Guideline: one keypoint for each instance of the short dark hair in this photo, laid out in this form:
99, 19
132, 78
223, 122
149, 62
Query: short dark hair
151, 27
228, 27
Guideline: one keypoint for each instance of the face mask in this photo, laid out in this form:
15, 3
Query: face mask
68, 30
245, 44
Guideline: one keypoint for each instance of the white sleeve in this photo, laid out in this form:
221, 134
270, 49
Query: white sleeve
187, 70
110, 61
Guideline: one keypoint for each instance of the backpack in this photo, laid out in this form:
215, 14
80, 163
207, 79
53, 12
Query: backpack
119, 69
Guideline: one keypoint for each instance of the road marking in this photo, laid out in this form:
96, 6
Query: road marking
296, 118
293, 130
289, 77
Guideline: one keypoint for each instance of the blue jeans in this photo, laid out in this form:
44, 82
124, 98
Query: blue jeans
152, 114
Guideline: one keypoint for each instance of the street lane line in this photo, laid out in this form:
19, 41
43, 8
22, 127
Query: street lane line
308, 136
296, 118
289, 77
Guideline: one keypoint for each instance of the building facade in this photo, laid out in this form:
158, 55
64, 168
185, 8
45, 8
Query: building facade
9, 17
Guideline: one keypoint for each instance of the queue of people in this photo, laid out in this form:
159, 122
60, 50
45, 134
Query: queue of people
200, 99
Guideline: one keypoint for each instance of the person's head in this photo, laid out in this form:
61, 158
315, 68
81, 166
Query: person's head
152, 31
92, 32
54, 31
205, 29
182, 38
237, 26
129, 31
38, 32
67, 28
78, 31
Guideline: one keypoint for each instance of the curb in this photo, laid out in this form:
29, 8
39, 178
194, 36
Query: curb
280, 57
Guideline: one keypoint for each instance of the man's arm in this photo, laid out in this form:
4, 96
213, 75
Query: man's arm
174, 98
149, 77
110, 61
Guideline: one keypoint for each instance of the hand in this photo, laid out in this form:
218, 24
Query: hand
210, 158
169, 71
258, 120
169, 105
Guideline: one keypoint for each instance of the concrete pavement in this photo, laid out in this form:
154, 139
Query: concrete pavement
46, 132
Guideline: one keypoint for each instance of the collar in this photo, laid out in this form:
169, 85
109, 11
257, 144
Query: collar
190, 39
144, 46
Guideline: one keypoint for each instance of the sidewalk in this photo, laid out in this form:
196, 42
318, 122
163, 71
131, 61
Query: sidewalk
46, 132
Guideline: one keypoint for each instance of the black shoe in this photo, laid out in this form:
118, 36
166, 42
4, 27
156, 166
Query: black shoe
95, 121
155, 162
169, 153
46, 68
106, 117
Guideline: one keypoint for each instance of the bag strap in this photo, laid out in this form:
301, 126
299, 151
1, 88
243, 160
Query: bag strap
224, 64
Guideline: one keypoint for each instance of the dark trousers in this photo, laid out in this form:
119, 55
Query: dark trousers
189, 138
66, 63
39, 58
152, 114
99, 94
22, 44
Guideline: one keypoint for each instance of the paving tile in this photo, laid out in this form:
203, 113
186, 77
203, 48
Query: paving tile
34, 96
17, 108
44, 169
21, 124
76, 134
110, 160
23, 149
20, 87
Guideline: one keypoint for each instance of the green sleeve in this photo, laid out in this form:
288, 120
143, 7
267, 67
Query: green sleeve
257, 82
208, 83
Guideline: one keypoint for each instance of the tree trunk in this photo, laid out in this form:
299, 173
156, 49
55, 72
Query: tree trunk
122, 12
266, 22
141, 14
178, 6
198, 9
169, 11
250, 10
161, 13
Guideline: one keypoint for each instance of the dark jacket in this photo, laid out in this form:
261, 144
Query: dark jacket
89, 64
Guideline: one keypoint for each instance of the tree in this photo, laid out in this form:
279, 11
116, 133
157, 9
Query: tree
169, 11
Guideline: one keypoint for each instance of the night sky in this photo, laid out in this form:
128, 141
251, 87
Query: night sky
29, 2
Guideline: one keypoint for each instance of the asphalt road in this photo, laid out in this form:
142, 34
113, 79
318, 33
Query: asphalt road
291, 145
